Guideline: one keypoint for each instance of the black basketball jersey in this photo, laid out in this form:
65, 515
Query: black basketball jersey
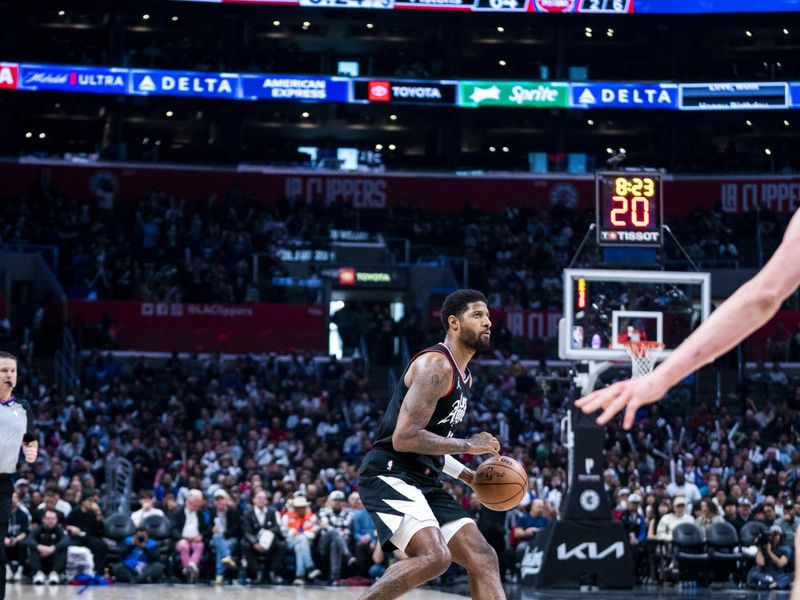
449, 412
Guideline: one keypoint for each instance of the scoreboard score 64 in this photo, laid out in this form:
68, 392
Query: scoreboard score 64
629, 208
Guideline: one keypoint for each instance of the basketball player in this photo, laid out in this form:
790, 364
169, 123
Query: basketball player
749, 308
399, 477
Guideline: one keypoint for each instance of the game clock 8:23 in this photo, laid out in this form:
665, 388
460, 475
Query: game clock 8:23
629, 209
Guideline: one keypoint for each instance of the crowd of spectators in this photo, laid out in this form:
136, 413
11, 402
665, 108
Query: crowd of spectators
253, 464
169, 249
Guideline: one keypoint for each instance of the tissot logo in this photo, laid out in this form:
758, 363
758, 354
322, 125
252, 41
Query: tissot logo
589, 551
379, 91
631, 236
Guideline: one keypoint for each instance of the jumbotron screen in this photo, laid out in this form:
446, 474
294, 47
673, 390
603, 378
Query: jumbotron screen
652, 7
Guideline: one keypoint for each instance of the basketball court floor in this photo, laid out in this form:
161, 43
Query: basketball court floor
200, 592
208, 592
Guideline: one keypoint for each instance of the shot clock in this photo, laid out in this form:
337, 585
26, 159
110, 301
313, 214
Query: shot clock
629, 208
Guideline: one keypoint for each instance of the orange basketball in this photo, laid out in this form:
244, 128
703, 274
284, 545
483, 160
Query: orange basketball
500, 483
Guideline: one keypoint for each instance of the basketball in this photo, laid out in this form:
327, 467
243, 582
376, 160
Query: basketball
500, 483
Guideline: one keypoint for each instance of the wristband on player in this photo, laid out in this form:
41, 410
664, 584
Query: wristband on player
452, 467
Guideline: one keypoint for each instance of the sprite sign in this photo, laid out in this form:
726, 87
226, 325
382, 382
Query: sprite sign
534, 94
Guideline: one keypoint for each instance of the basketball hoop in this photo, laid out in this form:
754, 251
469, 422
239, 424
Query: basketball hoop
643, 357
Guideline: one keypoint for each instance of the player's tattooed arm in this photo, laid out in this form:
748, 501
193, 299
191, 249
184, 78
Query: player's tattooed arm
432, 378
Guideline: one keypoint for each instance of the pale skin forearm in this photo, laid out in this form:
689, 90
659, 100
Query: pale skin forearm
743, 313
739, 316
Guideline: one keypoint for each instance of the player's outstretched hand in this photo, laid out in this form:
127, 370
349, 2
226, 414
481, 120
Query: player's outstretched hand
630, 395
483, 443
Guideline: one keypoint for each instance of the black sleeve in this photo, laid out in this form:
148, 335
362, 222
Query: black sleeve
30, 431
72, 519
152, 553
24, 522
178, 521
234, 524
204, 523
249, 528
63, 542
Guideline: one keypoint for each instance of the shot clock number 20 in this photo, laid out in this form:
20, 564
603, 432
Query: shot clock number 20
629, 209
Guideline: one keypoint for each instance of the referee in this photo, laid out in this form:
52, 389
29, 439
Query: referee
16, 430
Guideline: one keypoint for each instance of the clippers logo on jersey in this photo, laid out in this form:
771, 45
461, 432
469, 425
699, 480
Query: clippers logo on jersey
554, 6
379, 91
457, 414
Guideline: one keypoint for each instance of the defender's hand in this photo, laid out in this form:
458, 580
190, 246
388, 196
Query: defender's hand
630, 395
483, 443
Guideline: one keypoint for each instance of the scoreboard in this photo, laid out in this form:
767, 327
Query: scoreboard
608, 7
539, 6
629, 207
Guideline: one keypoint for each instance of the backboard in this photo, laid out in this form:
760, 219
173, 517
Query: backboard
605, 308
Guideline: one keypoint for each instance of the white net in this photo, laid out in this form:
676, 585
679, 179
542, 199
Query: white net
643, 357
